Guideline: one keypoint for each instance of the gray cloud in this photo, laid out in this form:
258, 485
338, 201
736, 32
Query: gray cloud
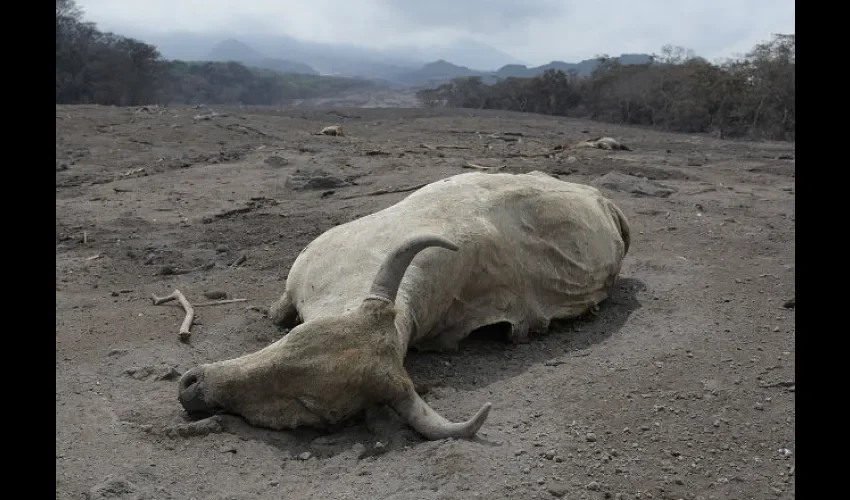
472, 16
535, 31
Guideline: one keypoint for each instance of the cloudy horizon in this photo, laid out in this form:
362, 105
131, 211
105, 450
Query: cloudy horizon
532, 31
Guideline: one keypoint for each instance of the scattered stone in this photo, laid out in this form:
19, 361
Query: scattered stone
165, 271
170, 373
590, 437
303, 179
790, 304
215, 295
211, 425
118, 352
276, 161
634, 185
305, 455
222, 248
593, 486
140, 373
113, 487
227, 449
549, 455
557, 490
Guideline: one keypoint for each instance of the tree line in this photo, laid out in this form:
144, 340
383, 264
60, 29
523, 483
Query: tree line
95, 67
752, 96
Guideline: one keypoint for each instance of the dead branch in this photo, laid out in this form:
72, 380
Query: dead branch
386, 191
482, 167
443, 146
505, 137
186, 326
219, 302
529, 155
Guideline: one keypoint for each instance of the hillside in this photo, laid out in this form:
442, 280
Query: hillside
442, 70
234, 50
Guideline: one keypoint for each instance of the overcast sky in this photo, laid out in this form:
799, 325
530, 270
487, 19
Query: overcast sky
534, 31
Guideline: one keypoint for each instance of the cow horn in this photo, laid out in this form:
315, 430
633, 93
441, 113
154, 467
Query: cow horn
393, 268
430, 424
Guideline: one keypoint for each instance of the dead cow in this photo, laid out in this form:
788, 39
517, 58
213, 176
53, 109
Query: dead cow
606, 143
470, 250
334, 130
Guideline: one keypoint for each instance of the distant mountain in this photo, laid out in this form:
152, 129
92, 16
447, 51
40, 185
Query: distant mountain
442, 71
466, 52
330, 59
583, 68
234, 50
402, 65
437, 72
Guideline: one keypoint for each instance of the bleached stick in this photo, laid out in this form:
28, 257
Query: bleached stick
190, 311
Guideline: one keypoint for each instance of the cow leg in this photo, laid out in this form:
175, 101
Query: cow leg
283, 312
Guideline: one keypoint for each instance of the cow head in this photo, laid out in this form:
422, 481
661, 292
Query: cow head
327, 369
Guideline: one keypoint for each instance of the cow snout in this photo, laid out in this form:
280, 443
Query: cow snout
189, 392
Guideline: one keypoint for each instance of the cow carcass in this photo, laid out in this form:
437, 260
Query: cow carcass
467, 251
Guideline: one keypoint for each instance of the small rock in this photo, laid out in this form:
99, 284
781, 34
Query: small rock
116, 487
775, 328
215, 295
165, 271
222, 248
593, 486
590, 437
139, 373
227, 449
549, 455
790, 304
759, 406
170, 373
276, 161
557, 490
118, 352
314, 179
617, 181
305, 455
